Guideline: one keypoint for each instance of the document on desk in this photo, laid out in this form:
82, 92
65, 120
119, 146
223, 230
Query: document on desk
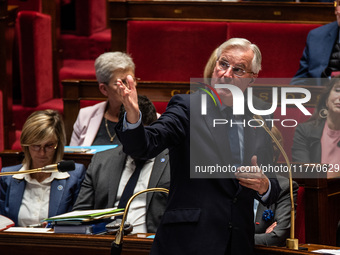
328, 251
87, 215
89, 149
29, 230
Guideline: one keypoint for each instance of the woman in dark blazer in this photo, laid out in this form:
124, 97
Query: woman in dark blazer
29, 198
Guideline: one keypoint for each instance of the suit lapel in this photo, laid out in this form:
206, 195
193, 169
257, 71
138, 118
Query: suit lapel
315, 140
249, 142
158, 168
17, 189
93, 125
115, 170
219, 132
249, 134
56, 194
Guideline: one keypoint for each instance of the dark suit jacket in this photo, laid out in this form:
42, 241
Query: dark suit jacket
204, 215
61, 199
316, 55
307, 142
100, 186
281, 210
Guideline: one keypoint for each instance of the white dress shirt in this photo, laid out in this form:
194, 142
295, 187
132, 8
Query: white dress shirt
137, 211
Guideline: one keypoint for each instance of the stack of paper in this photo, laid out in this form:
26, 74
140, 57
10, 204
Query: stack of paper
89, 149
87, 215
5, 222
84, 222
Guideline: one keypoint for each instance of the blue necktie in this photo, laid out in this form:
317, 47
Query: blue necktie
234, 140
131, 184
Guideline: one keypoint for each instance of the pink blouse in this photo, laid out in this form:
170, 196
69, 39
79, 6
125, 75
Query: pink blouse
330, 151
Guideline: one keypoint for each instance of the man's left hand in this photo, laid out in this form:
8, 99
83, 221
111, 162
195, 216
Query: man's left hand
252, 177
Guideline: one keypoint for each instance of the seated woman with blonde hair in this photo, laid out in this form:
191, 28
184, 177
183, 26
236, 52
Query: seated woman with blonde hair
29, 198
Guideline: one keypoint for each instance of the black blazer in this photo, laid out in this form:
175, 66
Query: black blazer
204, 215
307, 142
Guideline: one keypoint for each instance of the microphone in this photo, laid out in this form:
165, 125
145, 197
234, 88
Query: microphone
291, 243
62, 166
117, 244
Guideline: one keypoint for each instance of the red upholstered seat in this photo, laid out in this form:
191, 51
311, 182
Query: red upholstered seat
35, 53
300, 216
173, 50
281, 45
35, 62
85, 47
77, 69
80, 52
90, 16
160, 106
2, 144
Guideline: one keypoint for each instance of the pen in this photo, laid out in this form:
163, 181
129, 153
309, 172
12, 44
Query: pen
39, 225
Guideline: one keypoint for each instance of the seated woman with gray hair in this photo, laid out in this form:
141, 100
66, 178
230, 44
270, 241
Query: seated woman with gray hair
95, 125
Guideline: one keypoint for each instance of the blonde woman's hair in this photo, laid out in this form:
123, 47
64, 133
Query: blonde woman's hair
40, 127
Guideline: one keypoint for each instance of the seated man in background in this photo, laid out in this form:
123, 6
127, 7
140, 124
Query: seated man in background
272, 224
321, 56
109, 172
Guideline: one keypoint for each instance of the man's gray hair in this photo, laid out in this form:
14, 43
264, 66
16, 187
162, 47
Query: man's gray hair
243, 44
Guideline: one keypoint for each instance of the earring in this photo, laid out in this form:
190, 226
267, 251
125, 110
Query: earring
323, 113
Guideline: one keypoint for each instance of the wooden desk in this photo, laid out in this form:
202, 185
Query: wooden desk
121, 11
77, 90
322, 199
68, 244
13, 157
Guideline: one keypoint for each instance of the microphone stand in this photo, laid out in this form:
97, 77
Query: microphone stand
117, 244
62, 166
291, 243
37, 170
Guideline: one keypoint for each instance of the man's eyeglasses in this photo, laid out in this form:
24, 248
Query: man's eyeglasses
47, 147
224, 65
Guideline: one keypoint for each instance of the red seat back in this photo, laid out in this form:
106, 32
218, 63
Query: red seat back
35, 57
281, 45
2, 142
300, 216
173, 50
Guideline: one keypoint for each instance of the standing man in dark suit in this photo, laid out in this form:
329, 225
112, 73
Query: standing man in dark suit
207, 213
321, 55
109, 172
